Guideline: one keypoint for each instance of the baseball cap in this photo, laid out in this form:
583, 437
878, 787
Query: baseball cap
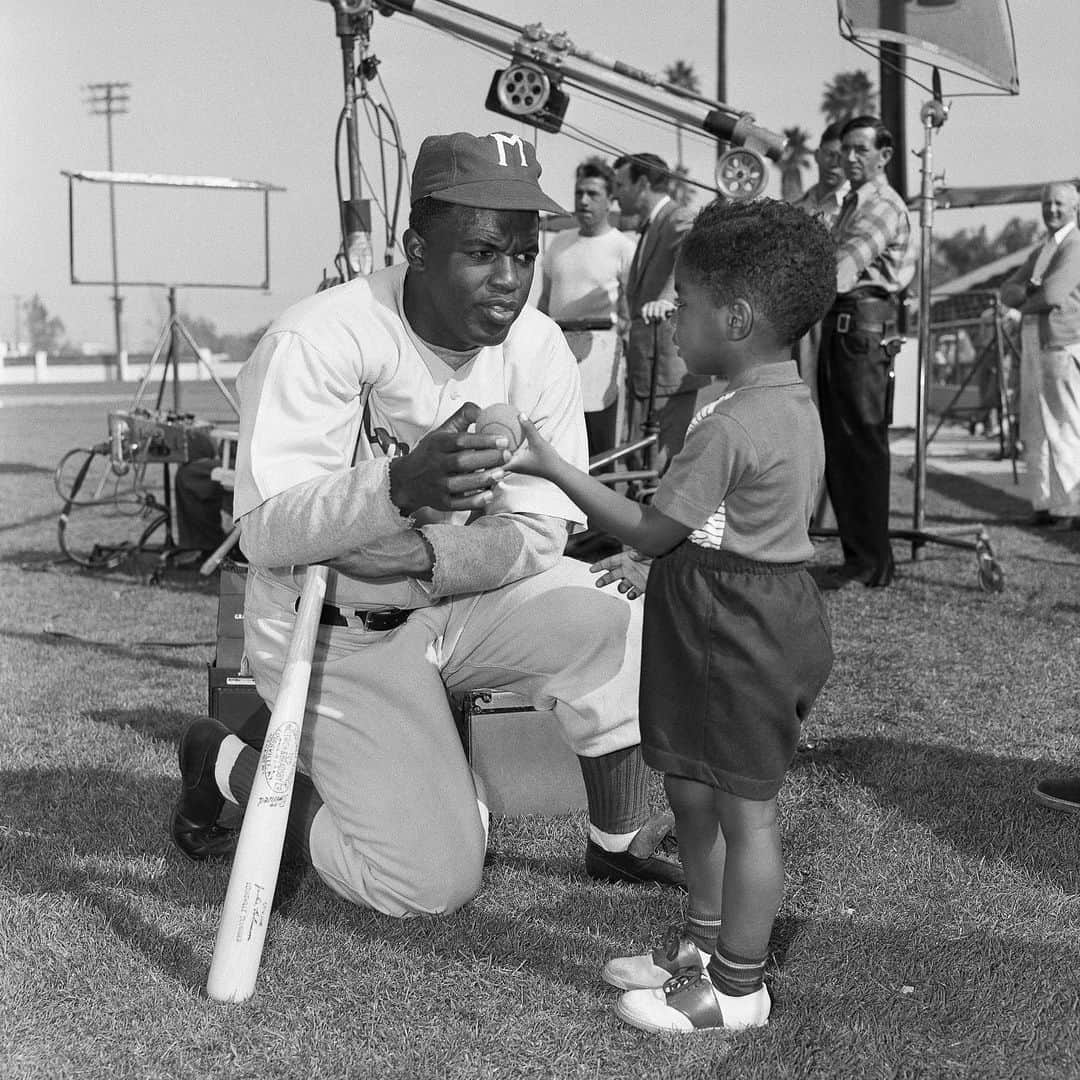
493, 172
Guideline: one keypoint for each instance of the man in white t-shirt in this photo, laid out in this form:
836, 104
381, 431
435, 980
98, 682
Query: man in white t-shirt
447, 573
584, 281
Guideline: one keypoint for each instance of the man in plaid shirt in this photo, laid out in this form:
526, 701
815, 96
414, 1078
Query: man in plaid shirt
875, 262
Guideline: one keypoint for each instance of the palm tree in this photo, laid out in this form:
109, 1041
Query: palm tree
795, 158
683, 75
851, 93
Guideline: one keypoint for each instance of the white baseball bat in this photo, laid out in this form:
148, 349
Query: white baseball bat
246, 911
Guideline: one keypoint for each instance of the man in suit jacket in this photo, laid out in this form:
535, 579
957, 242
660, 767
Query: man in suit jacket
1046, 291
641, 183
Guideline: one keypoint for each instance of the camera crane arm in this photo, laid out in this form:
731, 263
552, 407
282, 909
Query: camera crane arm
528, 90
555, 53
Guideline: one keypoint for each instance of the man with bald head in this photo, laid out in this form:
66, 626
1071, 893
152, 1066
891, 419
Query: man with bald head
1046, 291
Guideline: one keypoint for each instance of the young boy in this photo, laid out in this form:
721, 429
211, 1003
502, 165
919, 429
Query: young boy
737, 641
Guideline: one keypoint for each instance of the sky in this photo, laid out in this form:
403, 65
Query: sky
252, 89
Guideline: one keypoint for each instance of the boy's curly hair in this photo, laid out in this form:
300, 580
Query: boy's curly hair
778, 258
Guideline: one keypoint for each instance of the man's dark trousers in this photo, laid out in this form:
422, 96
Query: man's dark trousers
854, 394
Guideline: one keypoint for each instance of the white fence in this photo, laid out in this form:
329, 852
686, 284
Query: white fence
42, 367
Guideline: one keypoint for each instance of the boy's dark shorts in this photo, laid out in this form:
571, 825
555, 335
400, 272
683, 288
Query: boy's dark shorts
735, 653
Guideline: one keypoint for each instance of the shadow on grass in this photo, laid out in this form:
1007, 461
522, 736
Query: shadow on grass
39, 560
979, 804
152, 723
145, 570
90, 840
99, 838
866, 998
995, 505
34, 519
22, 468
855, 997
142, 652
640, 911
989, 504
985, 499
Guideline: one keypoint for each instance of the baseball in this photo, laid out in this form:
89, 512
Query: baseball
501, 419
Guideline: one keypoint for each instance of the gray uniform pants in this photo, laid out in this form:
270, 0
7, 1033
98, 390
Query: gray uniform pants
400, 831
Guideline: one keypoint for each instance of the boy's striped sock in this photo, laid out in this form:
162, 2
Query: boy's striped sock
702, 930
735, 975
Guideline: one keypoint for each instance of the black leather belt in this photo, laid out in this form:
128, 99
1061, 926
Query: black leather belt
871, 313
383, 619
846, 321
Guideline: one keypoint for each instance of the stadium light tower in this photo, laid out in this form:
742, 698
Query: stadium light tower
110, 99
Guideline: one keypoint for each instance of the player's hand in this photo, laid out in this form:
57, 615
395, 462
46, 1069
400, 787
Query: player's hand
657, 310
535, 456
450, 468
628, 569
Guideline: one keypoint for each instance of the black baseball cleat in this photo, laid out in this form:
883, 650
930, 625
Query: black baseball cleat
647, 861
195, 830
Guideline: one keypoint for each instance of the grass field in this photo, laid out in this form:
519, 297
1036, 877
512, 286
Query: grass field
931, 926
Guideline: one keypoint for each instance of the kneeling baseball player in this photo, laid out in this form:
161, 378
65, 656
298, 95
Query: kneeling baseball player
448, 572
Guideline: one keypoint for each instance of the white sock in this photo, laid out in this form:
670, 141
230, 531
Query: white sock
230, 749
481, 805
610, 841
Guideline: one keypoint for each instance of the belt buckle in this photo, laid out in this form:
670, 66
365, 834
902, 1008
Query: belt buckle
843, 322
380, 619
383, 619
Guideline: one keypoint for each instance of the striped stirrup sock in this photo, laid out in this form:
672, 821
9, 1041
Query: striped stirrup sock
702, 930
306, 802
735, 975
617, 791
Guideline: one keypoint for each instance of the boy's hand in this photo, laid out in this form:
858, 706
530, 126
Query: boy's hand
535, 456
629, 568
449, 468
657, 310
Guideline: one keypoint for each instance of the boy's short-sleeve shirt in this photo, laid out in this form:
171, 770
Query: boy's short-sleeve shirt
748, 476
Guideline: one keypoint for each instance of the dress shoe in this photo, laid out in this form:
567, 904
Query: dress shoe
647, 861
1062, 793
1065, 524
831, 578
195, 830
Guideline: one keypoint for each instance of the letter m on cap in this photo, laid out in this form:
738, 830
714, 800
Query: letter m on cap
503, 142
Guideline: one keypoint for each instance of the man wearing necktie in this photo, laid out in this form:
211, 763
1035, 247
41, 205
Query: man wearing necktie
875, 261
1046, 291
823, 201
641, 182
